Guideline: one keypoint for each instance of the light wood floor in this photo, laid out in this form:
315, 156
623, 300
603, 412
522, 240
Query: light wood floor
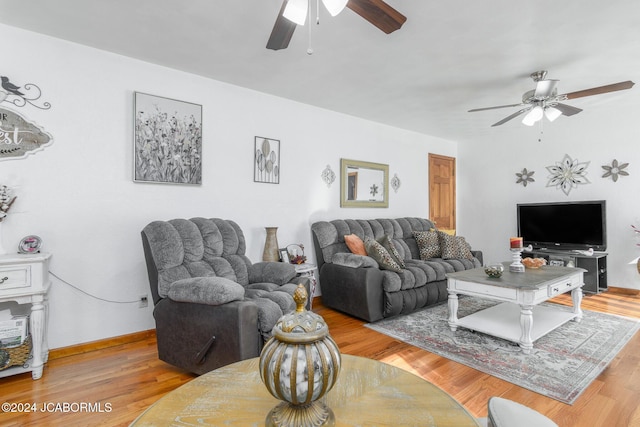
126, 379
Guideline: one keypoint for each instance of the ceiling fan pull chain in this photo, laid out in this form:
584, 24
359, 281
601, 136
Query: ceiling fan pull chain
309, 48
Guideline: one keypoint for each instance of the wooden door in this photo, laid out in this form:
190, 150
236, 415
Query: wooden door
442, 192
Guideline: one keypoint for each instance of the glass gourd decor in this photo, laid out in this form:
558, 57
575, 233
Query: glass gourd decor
299, 365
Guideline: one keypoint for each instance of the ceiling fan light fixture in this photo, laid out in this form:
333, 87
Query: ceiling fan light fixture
533, 116
335, 6
296, 11
552, 113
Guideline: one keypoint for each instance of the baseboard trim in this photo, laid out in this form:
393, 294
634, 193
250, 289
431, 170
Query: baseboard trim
73, 350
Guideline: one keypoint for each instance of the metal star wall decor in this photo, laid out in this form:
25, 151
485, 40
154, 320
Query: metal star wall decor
615, 170
567, 174
21, 95
525, 177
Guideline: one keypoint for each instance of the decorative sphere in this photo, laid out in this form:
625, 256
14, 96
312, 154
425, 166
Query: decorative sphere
299, 365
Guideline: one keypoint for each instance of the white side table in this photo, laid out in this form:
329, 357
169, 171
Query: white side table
308, 270
25, 280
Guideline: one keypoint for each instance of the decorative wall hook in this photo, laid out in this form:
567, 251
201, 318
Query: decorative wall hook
21, 95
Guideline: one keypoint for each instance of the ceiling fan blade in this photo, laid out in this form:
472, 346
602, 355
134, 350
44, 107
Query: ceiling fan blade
513, 116
567, 110
282, 31
379, 14
544, 88
599, 90
494, 108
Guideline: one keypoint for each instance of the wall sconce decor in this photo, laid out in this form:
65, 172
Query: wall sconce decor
395, 183
328, 176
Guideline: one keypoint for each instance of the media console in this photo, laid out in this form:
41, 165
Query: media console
595, 279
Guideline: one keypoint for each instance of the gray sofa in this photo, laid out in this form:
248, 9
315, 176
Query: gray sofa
213, 306
357, 285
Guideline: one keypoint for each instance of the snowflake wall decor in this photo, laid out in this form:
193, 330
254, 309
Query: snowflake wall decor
615, 170
568, 174
525, 177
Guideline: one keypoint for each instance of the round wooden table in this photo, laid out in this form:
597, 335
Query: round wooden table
367, 393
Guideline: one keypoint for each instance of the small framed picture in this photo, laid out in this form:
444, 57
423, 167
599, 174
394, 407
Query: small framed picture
266, 162
284, 255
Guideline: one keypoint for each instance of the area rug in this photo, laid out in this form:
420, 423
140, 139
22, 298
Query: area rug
561, 365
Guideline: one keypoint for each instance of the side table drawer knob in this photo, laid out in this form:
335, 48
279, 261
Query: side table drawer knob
3, 279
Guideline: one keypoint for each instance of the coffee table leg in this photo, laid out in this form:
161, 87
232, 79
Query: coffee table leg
576, 297
453, 311
526, 326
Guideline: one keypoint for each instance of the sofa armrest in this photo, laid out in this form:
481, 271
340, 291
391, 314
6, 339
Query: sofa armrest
478, 256
353, 260
271, 272
206, 290
355, 291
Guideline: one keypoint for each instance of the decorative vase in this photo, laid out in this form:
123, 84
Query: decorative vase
270, 252
299, 365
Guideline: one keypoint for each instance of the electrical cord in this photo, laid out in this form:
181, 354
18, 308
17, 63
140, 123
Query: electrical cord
88, 294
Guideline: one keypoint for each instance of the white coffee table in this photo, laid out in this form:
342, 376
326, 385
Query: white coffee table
519, 318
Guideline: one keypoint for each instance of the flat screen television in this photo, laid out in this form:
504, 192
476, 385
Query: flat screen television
564, 225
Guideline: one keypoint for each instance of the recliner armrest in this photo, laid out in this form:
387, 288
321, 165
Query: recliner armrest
271, 272
206, 290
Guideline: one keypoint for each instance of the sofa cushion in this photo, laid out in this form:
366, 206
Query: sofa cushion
388, 244
355, 244
206, 290
381, 255
428, 244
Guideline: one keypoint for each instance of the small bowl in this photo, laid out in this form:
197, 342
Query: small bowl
534, 262
494, 270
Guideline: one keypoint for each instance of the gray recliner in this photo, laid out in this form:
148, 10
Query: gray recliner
213, 306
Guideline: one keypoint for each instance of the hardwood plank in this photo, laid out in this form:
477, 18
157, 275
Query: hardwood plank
125, 373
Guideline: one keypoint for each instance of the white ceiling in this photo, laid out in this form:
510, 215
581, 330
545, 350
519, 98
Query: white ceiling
450, 56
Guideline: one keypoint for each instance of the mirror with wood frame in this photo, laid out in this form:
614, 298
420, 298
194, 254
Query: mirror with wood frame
363, 184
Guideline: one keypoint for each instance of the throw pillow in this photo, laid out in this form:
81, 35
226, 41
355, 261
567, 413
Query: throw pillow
463, 249
428, 244
355, 244
388, 244
380, 254
448, 245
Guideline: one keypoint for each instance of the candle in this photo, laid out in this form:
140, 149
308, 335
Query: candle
515, 242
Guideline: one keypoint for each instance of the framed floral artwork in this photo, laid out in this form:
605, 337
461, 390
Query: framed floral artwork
266, 161
167, 140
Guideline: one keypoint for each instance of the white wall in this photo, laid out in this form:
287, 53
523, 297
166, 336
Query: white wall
607, 129
78, 194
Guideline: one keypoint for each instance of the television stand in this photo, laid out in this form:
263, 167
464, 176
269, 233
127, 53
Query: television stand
595, 279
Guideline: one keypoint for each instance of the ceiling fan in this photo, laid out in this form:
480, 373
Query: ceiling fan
294, 13
545, 101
